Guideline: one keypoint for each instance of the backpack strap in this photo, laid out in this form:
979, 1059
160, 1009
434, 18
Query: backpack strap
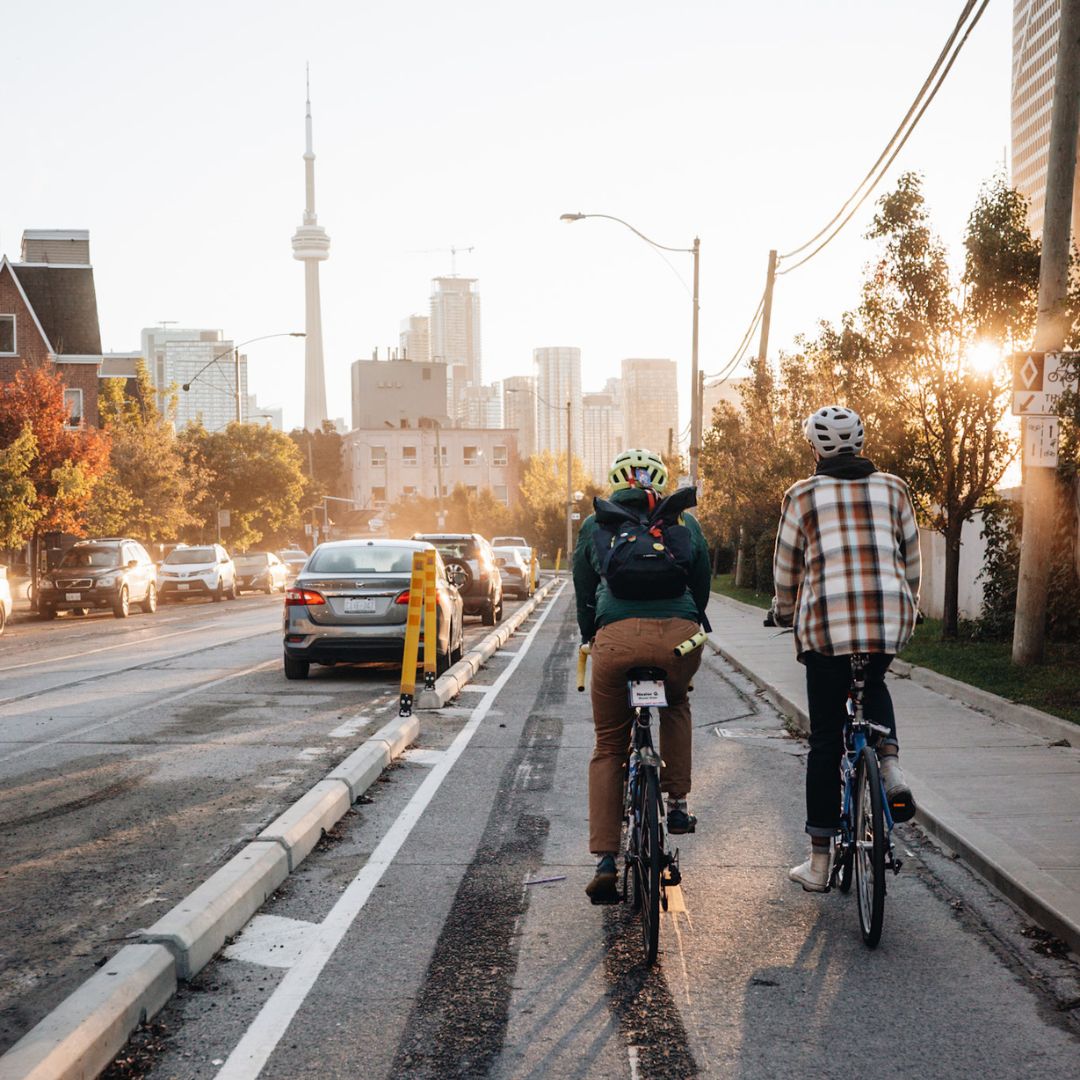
611, 514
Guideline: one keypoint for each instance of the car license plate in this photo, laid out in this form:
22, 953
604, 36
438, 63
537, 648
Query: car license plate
183, 585
72, 596
356, 604
644, 694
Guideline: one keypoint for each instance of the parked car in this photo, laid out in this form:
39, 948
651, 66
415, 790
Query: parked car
470, 563
260, 571
509, 541
294, 559
206, 570
515, 572
113, 572
5, 598
351, 601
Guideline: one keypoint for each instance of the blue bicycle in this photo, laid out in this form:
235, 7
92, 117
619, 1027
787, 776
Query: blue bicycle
864, 848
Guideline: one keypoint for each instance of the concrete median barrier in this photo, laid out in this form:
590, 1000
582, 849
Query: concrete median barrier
89, 1028
302, 826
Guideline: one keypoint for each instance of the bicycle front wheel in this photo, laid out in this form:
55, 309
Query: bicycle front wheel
649, 858
870, 844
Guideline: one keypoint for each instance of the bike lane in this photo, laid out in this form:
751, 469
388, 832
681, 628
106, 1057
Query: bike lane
476, 952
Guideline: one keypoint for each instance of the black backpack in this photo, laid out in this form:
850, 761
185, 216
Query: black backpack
645, 555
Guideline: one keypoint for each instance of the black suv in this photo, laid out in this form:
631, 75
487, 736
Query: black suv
470, 565
110, 573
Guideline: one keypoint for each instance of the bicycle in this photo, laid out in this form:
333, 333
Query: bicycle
649, 867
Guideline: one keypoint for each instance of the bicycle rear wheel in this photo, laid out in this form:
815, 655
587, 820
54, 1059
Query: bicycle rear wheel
869, 848
649, 858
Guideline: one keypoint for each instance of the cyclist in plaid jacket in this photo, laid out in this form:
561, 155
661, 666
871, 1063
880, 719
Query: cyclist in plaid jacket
846, 572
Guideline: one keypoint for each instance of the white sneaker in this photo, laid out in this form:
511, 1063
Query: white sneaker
813, 875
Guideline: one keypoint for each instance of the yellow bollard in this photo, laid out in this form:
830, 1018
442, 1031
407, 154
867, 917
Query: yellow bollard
431, 633
534, 569
558, 560
412, 635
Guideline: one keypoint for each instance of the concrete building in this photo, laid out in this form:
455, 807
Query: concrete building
602, 421
311, 246
455, 333
399, 393
558, 380
519, 411
650, 404
49, 316
383, 465
481, 407
415, 339
1034, 56
203, 360
727, 391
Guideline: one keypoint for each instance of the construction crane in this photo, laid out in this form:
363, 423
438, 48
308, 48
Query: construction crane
442, 251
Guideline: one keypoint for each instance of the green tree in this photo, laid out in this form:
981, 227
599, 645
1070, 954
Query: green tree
19, 512
148, 490
542, 513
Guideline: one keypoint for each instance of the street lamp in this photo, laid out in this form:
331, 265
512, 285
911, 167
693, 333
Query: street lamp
695, 380
235, 350
569, 463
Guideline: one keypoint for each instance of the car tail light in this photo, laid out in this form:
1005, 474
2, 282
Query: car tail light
303, 598
402, 598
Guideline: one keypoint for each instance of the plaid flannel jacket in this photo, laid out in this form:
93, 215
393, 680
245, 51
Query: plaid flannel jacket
846, 565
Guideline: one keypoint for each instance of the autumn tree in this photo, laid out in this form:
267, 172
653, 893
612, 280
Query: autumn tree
542, 514
19, 511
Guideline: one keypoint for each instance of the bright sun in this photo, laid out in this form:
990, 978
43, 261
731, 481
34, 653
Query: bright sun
983, 358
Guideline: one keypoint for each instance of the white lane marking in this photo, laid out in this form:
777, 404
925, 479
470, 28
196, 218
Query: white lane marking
69, 736
350, 727
470, 688
261, 1038
272, 941
424, 757
103, 648
631, 1052
312, 753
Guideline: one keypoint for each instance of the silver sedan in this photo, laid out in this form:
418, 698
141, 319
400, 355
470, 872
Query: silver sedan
350, 603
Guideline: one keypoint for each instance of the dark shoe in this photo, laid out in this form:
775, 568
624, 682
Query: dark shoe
603, 888
897, 792
680, 820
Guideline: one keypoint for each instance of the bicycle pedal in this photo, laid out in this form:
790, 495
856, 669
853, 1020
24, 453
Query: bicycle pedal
896, 864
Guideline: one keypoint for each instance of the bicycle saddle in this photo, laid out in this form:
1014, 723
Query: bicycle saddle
646, 674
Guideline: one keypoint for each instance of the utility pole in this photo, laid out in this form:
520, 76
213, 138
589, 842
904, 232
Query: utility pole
236, 369
695, 382
1029, 632
766, 311
438, 472
569, 488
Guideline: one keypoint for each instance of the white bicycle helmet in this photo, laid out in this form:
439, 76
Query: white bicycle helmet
834, 430
638, 468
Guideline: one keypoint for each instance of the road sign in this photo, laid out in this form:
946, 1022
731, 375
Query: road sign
1039, 380
307, 528
223, 519
575, 516
1041, 441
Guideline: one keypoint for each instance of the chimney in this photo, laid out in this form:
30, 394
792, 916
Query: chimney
67, 247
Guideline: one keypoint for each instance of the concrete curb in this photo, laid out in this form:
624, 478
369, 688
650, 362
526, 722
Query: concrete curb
1008, 872
82, 1035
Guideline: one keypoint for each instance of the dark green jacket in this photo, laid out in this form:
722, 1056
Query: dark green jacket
596, 606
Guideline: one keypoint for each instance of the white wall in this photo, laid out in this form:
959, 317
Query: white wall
972, 555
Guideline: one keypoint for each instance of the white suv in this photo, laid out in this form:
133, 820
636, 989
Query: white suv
206, 570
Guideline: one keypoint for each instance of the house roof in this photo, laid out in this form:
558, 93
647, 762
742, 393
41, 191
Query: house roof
65, 303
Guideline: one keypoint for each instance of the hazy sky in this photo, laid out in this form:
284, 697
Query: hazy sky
174, 132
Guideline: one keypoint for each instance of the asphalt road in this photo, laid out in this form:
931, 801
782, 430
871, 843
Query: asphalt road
442, 930
136, 756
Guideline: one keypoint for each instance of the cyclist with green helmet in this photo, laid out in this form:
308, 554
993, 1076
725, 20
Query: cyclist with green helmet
627, 633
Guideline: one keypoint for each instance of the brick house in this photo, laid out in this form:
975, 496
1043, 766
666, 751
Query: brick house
48, 315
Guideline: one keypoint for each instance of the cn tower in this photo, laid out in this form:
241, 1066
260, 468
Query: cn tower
311, 246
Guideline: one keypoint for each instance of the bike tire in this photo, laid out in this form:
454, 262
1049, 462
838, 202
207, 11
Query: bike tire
870, 845
650, 857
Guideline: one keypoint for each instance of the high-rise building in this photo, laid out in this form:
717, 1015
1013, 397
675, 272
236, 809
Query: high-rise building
558, 380
602, 422
454, 331
311, 246
519, 411
415, 338
650, 404
398, 393
1035, 32
727, 391
203, 361
481, 407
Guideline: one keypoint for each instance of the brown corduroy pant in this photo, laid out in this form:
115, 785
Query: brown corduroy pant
618, 647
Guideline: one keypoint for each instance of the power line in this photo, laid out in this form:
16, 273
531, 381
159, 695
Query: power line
740, 350
899, 146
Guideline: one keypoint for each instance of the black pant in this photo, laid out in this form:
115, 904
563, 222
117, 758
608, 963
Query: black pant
828, 679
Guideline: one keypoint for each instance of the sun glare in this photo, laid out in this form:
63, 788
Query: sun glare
984, 358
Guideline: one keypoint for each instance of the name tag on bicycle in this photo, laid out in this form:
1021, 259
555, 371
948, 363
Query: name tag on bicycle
647, 693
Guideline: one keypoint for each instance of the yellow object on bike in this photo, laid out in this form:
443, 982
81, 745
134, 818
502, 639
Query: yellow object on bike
582, 660
691, 643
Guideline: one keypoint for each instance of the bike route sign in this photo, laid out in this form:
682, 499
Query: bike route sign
1039, 380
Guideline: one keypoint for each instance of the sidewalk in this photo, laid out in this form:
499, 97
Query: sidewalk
996, 792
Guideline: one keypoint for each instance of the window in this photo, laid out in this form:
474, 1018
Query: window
438, 452
501, 494
499, 455
378, 455
378, 496
7, 335
73, 403
408, 455
408, 489
471, 455
470, 489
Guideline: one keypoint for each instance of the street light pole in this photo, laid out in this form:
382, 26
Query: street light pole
569, 487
